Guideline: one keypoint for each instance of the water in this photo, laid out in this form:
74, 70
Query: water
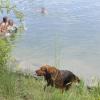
69, 35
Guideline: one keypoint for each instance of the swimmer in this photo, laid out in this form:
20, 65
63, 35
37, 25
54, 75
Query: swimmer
43, 10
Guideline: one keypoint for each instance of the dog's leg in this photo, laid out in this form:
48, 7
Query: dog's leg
68, 86
45, 87
62, 90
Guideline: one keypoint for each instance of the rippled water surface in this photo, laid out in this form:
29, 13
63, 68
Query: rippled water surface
68, 36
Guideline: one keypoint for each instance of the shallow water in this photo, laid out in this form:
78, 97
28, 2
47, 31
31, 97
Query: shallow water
68, 36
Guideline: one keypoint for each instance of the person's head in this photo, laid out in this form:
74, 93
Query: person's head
10, 22
5, 19
43, 10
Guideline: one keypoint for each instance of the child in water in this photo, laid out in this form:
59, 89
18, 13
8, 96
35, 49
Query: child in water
11, 28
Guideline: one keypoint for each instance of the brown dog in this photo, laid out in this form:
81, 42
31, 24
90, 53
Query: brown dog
62, 79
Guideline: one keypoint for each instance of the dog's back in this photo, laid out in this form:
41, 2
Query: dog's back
68, 76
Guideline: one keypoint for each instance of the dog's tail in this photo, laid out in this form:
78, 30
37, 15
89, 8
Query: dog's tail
77, 79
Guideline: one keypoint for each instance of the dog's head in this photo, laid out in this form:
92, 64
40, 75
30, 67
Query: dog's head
45, 69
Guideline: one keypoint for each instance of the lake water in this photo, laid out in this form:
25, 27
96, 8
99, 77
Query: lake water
68, 36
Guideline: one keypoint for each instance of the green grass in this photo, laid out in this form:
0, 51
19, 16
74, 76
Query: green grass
19, 87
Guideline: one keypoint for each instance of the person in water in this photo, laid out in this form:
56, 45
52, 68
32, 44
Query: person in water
11, 26
4, 24
43, 10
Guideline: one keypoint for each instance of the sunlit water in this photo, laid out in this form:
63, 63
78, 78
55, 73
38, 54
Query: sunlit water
67, 36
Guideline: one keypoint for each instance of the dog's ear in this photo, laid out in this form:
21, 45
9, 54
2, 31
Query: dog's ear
51, 70
44, 68
54, 73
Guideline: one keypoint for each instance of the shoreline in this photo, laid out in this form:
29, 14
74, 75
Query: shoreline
28, 68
